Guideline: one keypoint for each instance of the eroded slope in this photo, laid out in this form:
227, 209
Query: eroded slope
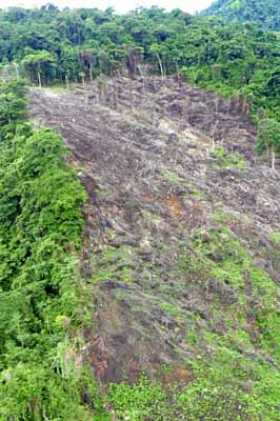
182, 239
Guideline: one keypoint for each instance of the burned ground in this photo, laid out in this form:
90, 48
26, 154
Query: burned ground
168, 169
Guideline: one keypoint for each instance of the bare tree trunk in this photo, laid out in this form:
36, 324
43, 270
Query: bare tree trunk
272, 159
90, 72
17, 71
39, 80
178, 75
160, 66
140, 70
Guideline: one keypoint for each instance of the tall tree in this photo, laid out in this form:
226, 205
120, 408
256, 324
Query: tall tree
268, 139
39, 66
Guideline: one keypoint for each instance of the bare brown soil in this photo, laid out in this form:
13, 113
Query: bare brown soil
143, 150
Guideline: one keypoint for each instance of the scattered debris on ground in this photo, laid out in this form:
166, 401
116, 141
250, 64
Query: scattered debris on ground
163, 163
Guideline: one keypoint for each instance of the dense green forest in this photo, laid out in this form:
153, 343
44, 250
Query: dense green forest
52, 46
40, 294
264, 12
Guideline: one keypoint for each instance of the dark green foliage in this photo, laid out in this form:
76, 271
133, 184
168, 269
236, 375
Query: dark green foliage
61, 46
265, 12
40, 292
12, 107
39, 65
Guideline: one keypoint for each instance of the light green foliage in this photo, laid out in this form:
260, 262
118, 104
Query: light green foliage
234, 376
227, 160
173, 178
40, 292
170, 309
143, 401
230, 386
275, 237
113, 264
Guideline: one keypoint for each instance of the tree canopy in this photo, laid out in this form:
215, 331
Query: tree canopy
264, 12
50, 46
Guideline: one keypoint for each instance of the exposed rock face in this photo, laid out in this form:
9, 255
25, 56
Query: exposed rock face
144, 151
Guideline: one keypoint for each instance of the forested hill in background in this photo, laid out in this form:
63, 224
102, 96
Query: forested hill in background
51, 46
264, 12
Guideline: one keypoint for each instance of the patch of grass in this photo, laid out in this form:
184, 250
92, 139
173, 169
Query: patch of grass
194, 192
229, 386
229, 274
228, 383
275, 238
221, 258
170, 309
227, 160
172, 177
192, 336
225, 386
151, 217
113, 264
264, 289
221, 217
143, 401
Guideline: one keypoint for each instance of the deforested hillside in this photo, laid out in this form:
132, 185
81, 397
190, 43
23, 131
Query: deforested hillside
180, 248
139, 216
264, 12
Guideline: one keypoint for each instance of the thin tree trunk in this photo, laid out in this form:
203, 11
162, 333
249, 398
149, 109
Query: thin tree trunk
90, 73
67, 82
140, 71
39, 80
272, 159
17, 71
160, 65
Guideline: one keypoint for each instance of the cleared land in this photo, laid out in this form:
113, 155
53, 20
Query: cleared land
175, 197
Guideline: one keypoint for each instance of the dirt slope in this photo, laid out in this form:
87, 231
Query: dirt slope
149, 154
